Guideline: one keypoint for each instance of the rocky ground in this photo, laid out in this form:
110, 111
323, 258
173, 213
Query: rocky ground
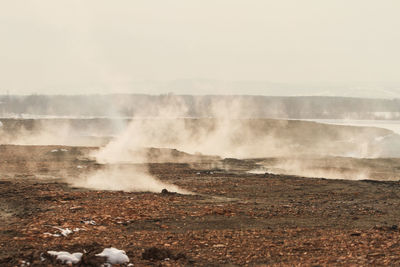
234, 218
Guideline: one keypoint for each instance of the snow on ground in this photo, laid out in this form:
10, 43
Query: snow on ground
63, 232
25, 263
91, 222
66, 257
55, 235
114, 256
57, 150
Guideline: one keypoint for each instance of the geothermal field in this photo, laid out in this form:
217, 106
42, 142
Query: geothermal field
170, 186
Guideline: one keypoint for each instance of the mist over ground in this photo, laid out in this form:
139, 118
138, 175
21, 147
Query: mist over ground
200, 133
125, 127
228, 126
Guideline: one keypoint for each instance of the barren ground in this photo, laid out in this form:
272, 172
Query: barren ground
234, 218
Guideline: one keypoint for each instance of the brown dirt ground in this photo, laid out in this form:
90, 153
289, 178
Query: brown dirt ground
234, 219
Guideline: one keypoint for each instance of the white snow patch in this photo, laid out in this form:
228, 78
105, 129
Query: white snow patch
1, 124
24, 263
57, 150
114, 256
91, 222
55, 235
63, 232
66, 257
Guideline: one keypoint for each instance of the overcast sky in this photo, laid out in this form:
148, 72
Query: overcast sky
87, 46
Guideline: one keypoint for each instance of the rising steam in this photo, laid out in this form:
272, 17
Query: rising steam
226, 129
126, 178
125, 149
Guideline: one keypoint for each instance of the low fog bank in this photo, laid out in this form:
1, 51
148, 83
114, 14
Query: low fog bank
69, 132
240, 138
382, 169
121, 140
129, 106
392, 125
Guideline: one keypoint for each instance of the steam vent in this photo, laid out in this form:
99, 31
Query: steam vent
199, 133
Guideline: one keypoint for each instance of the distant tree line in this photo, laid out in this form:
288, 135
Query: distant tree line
131, 105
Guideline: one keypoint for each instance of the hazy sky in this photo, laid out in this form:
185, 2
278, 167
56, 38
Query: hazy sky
79, 46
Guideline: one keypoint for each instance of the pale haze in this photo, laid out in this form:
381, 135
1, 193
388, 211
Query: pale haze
285, 47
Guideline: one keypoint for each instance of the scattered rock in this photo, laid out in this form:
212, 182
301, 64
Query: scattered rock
386, 228
166, 192
154, 253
